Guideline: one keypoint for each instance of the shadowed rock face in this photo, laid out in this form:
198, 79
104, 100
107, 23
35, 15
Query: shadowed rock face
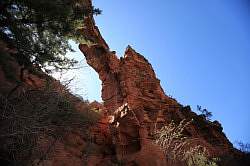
132, 80
135, 103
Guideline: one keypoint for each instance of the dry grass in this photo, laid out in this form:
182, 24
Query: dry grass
178, 148
33, 116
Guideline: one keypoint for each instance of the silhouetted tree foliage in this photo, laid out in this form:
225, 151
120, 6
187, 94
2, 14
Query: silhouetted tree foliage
244, 147
40, 30
204, 112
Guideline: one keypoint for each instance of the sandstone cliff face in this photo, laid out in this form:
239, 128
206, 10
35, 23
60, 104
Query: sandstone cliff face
131, 81
134, 105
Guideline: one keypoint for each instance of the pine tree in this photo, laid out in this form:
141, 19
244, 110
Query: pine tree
40, 30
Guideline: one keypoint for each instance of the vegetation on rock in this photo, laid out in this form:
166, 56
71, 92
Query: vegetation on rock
179, 149
39, 31
38, 117
204, 112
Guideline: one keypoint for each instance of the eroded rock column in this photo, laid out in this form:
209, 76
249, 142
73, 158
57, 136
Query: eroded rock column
131, 81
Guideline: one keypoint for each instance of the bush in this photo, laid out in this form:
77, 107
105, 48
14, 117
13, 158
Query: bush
35, 116
244, 147
204, 112
178, 148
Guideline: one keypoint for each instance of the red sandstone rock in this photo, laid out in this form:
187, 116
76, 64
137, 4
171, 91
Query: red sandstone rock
129, 80
132, 80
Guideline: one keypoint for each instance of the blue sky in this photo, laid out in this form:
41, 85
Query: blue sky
200, 50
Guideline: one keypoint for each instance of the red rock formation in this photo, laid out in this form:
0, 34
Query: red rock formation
131, 79
135, 102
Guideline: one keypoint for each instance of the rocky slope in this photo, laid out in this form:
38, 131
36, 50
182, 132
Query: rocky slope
135, 105
134, 97
42, 123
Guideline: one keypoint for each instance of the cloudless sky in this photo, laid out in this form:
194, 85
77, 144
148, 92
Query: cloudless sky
200, 50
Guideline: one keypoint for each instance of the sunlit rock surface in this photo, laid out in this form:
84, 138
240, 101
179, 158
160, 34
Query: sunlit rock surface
131, 80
